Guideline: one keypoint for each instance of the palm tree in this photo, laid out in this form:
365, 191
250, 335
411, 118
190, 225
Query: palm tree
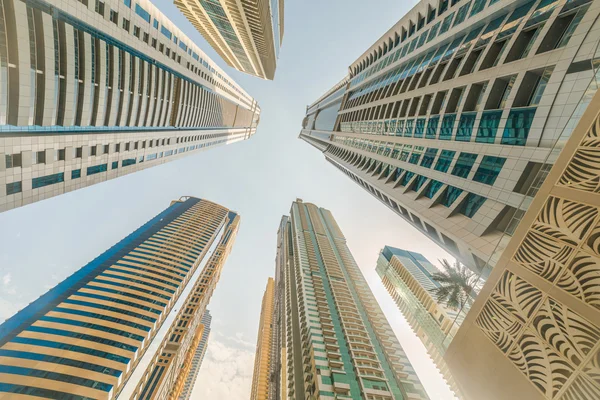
456, 285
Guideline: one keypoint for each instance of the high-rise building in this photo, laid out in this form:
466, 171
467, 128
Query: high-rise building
335, 340
247, 35
127, 323
448, 117
533, 332
408, 277
93, 90
261, 378
197, 358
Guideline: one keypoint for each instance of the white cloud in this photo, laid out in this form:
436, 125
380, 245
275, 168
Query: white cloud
6, 279
226, 372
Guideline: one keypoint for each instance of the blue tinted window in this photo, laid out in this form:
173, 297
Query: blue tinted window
517, 126
450, 195
166, 32
419, 181
445, 160
127, 3
432, 127
127, 162
76, 173
471, 204
70, 347
83, 324
14, 187
96, 169
74, 335
400, 128
25, 355
55, 376
433, 188
136, 288
155, 24
406, 178
446, 24
414, 158
408, 128
102, 317
126, 294
464, 164
465, 127
420, 128
115, 165
39, 392
447, 126
429, 157
142, 13
488, 126
477, 7
397, 173
489, 169
47, 180
110, 308
461, 14
118, 301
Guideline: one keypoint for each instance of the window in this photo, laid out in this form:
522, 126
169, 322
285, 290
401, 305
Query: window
532, 88
142, 13
445, 160
115, 165
489, 169
127, 162
13, 160
428, 158
92, 150
114, 17
47, 180
419, 182
14, 187
126, 24
561, 30
432, 189
106, 148
450, 195
127, 3
166, 32
155, 24
61, 155
447, 126
464, 164
477, 7
136, 31
465, 127
461, 14
432, 127
471, 205
96, 169
406, 178
76, 173
517, 126
488, 126
420, 128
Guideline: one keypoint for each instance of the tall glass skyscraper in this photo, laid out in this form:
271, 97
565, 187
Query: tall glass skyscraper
335, 341
449, 116
262, 378
197, 358
246, 34
408, 277
128, 323
93, 90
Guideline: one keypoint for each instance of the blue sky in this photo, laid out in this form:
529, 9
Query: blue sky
43, 243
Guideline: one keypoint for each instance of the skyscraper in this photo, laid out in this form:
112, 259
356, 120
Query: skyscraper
93, 90
246, 34
261, 378
335, 340
448, 117
126, 323
408, 278
197, 358
533, 331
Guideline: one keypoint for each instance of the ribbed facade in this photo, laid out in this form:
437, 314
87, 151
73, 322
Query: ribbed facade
197, 358
338, 343
449, 116
408, 278
246, 34
93, 90
98, 333
261, 377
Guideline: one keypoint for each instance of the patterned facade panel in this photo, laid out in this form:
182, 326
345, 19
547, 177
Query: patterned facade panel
582, 279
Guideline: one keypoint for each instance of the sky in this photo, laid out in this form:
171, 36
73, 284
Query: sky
43, 243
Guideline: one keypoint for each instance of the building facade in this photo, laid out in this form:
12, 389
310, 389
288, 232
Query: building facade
93, 90
337, 342
261, 377
449, 116
247, 35
197, 358
408, 277
99, 333
534, 330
